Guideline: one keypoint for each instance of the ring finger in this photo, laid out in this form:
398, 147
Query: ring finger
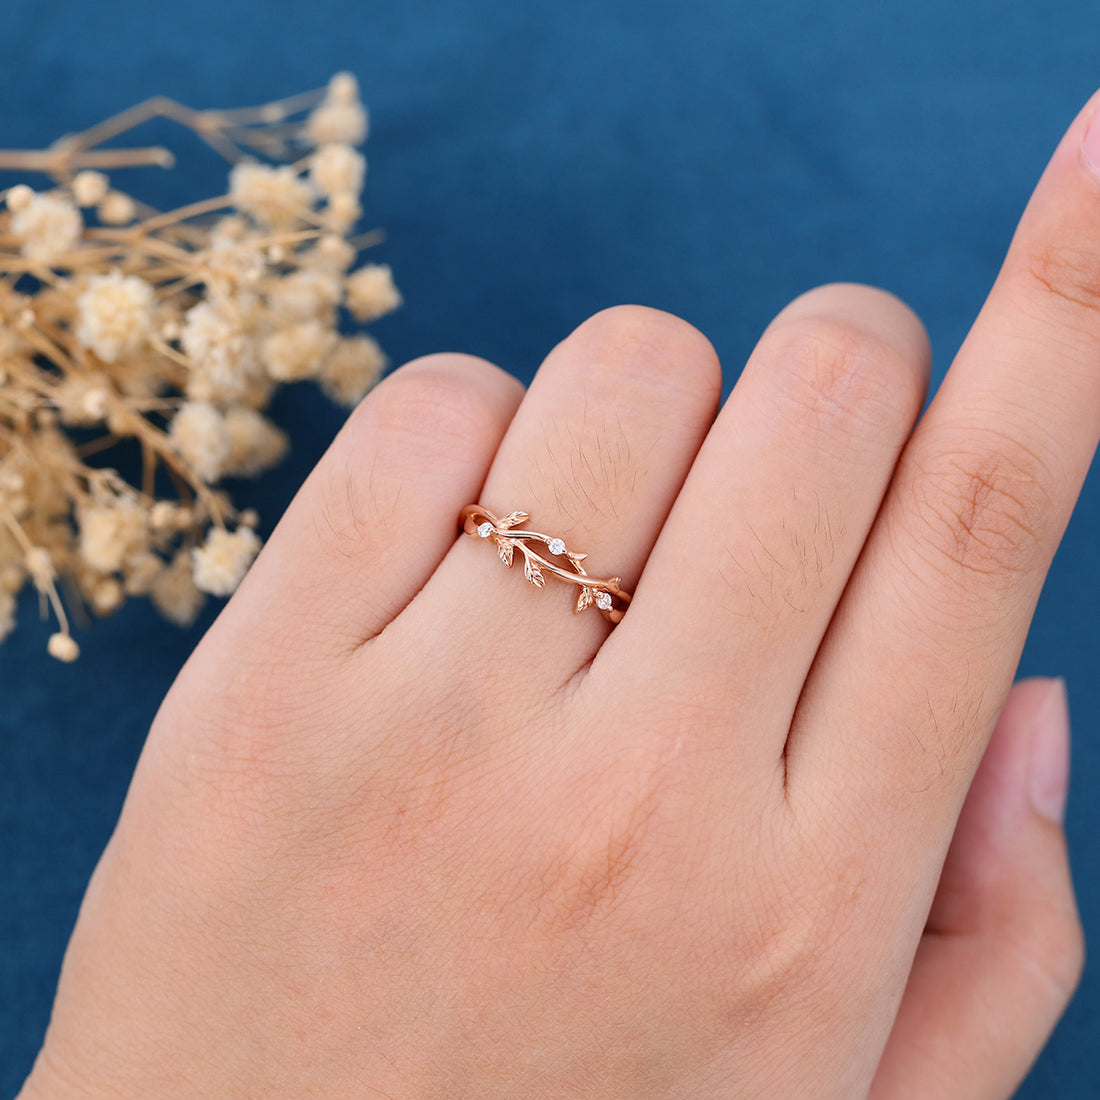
595, 455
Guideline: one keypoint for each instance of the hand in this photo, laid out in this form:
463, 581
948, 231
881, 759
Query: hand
404, 826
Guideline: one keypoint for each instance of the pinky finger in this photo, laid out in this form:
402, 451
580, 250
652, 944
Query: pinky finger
1003, 948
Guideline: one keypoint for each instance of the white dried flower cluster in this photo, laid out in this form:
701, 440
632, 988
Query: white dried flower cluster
341, 117
201, 439
371, 293
336, 168
115, 314
46, 226
223, 559
173, 331
275, 196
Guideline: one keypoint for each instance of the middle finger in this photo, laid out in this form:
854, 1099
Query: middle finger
756, 553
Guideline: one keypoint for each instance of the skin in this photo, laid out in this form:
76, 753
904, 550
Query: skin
405, 827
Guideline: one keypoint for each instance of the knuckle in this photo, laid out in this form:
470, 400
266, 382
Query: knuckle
833, 371
1066, 962
636, 343
1067, 273
981, 511
414, 423
1050, 946
435, 405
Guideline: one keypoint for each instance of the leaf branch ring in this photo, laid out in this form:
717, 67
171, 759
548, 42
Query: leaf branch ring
607, 596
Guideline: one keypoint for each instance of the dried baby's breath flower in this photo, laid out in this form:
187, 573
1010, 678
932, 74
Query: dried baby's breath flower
171, 331
353, 367
222, 561
342, 212
115, 314
343, 88
201, 439
255, 444
305, 295
39, 566
82, 399
277, 197
19, 198
47, 227
111, 533
331, 254
140, 573
338, 167
63, 647
341, 116
371, 293
116, 208
90, 188
107, 596
166, 515
174, 592
222, 352
297, 351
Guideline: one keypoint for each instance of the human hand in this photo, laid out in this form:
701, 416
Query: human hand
406, 827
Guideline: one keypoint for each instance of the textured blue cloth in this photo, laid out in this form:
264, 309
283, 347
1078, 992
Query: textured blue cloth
532, 163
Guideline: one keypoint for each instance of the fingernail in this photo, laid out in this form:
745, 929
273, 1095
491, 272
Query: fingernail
1090, 147
1049, 778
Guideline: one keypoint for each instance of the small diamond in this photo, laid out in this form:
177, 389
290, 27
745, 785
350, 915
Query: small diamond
556, 546
485, 530
603, 601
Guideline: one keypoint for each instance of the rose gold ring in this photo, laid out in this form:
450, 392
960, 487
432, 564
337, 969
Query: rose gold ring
607, 596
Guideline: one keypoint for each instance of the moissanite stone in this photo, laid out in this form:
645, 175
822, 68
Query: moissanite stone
556, 546
603, 601
485, 530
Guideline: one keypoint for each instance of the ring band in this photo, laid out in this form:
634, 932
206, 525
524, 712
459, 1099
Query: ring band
607, 596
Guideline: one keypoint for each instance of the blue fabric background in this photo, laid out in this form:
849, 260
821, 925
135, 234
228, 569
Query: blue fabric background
532, 163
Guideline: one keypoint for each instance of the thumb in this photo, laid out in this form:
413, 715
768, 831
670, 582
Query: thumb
1003, 948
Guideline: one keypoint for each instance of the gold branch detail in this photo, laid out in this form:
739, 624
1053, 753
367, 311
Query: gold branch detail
607, 595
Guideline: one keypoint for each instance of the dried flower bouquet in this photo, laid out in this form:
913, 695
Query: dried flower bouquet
171, 330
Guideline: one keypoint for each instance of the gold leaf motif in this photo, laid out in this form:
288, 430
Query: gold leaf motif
514, 519
533, 573
583, 600
576, 557
505, 547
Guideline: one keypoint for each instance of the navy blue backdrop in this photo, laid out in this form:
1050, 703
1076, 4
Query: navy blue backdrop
532, 163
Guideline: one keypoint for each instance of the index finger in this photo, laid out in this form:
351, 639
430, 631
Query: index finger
916, 665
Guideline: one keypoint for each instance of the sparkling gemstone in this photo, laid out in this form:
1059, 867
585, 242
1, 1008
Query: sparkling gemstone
485, 530
603, 601
557, 546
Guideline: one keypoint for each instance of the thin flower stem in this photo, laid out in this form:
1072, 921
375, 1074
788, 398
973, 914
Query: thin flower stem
169, 352
276, 111
132, 117
148, 468
54, 352
192, 210
367, 240
46, 580
94, 446
59, 163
